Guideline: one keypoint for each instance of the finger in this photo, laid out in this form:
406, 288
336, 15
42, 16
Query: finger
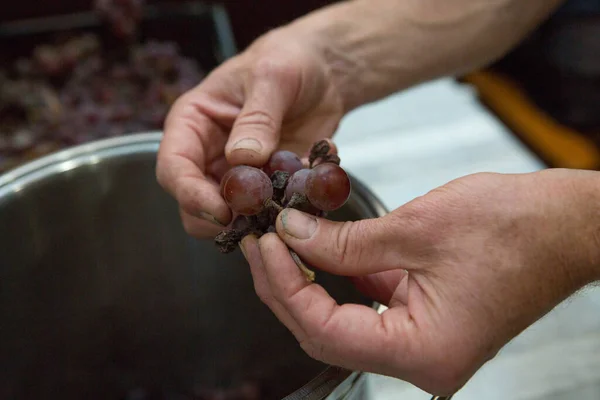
343, 248
218, 168
256, 131
198, 227
249, 247
389, 288
305, 162
191, 140
351, 336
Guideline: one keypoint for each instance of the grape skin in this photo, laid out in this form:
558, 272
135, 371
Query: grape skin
327, 187
228, 174
297, 183
285, 161
246, 189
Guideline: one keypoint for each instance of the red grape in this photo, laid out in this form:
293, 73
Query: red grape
296, 183
328, 186
246, 189
228, 174
285, 161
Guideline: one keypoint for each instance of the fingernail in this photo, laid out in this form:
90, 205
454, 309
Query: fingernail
298, 224
210, 218
247, 144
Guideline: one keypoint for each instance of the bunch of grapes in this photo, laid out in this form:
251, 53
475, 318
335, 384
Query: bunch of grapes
77, 88
256, 196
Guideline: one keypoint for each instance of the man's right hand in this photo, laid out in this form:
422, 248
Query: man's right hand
278, 94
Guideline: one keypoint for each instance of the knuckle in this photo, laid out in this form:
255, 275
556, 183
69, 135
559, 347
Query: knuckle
280, 69
263, 295
313, 349
342, 250
350, 247
186, 108
257, 119
182, 107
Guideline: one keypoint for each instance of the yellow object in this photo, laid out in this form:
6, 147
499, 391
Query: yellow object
561, 146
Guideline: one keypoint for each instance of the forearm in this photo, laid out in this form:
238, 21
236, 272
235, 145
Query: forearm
580, 233
377, 47
561, 232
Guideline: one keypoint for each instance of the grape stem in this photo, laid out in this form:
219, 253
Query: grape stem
318, 150
310, 275
299, 201
273, 205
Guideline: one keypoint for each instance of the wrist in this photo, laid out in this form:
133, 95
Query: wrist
576, 195
588, 196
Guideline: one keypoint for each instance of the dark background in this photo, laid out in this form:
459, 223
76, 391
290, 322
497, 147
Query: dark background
249, 18
551, 67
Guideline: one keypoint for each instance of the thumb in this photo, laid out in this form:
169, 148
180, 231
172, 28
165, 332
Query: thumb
353, 248
256, 131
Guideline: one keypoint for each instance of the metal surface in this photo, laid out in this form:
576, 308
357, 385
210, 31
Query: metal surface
322, 386
102, 292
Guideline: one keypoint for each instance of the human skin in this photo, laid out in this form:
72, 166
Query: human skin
294, 84
463, 269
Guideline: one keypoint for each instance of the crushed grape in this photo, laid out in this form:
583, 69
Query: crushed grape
280, 182
78, 88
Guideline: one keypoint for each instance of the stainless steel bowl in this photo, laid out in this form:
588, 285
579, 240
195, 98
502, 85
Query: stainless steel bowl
104, 296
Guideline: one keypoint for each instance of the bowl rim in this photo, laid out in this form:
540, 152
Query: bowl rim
93, 152
76, 156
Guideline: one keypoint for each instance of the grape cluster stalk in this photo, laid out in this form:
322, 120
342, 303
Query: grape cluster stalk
257, 195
